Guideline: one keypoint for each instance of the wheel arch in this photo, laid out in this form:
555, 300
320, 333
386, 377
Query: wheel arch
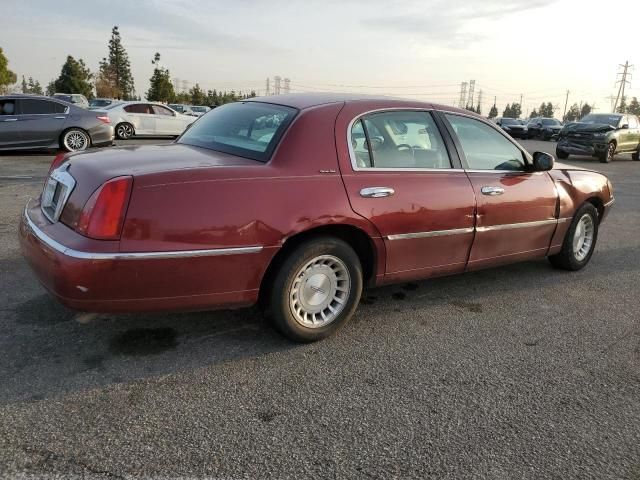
598, 203
354, 236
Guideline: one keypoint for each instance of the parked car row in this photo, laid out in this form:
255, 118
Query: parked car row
193, 110
146, 119
538, 127
385, 191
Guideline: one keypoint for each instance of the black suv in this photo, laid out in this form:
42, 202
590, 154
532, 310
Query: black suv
601, 135
544, 128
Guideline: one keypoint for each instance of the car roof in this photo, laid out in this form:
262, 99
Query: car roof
302, 101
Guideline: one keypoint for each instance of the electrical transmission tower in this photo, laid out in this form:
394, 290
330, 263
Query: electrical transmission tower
287, 85
276, 84
479, 109
268, 88
623, 83
472, 87
463, 95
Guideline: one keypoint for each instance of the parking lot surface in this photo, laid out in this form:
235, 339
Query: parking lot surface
515, 372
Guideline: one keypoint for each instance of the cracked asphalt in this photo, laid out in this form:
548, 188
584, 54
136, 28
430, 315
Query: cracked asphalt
515, 372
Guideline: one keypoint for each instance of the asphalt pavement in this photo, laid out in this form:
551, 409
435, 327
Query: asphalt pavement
516, 372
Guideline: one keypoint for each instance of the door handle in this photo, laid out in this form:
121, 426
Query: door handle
377, 192
11, 120
59, 118
493, 191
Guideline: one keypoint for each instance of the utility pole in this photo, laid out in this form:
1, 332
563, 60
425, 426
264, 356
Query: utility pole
479, 109
623, 82
268, 89
566, 102
520, 101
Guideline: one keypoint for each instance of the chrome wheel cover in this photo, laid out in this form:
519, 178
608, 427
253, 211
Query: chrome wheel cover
125, 131
75, 140
583, 237
319, 291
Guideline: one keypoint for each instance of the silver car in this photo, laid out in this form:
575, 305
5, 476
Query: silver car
37, 122
146, 118
75, 98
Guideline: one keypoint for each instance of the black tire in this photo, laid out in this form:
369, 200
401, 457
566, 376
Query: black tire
282, 297
75, 140
561, 154
124, 131
607, 156
567, 259
636, 155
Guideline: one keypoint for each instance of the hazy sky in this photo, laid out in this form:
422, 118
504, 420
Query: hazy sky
421, 49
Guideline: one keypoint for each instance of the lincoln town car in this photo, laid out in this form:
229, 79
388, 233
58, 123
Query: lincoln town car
296, 203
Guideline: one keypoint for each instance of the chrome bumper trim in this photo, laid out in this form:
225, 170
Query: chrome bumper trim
610, 202
70, 252
509, 226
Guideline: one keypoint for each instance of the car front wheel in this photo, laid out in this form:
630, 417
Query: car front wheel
316, 289
561, 154
607, 156
580, 240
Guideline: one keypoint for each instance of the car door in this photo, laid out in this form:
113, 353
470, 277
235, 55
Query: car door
167, 121
142, 118
516, 207
634, 132
9, 132
41, 121
399, 174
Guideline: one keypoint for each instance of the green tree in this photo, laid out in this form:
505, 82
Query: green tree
622, 108
51, 88
516, 110
74, 77
7, 77
507, 111
161, 89
114, 79
493, 113
534, 113
31, 86
634, 106
585, 110
546, 110
573, 114
198, 97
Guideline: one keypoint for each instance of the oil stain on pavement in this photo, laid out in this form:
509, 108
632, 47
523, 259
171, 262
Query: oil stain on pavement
144, 341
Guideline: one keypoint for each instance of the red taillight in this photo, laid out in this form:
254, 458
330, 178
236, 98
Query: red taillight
103, 214
104, 118
57, 161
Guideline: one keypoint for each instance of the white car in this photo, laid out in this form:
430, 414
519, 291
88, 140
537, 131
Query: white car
199, 110
146, 118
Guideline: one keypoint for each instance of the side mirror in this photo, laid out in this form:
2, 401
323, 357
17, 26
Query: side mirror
625, 127
542, 161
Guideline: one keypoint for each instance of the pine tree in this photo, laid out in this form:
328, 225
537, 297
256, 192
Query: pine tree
507, 111
114, 79
534, 114
161, 89
74, 77
25, 88
51, 88
7, 77
197, 95
634, 106
573, 114
622, 108
493, 113
585, 110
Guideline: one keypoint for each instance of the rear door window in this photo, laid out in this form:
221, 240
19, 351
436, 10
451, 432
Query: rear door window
247, 129
38, 107
399, 139
138, 108
160, 110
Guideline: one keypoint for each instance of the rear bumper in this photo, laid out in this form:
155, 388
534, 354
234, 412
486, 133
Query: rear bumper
94, 276
102, 135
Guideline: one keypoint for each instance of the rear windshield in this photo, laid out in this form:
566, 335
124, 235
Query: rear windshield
510, 121
247, 129
550, 121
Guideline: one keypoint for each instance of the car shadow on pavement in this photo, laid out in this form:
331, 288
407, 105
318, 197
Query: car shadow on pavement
47, 350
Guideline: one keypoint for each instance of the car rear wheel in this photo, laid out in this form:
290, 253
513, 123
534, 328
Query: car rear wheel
316, 289
636, 154
561, 154
580, 240
75, 140
124, 131
607, 156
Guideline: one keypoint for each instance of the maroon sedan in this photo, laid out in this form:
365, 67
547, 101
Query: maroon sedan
298, 201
